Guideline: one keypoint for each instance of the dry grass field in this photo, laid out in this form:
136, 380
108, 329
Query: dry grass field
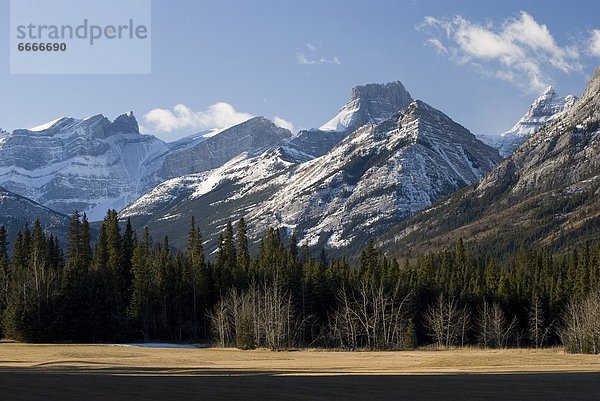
211, 361
98, 372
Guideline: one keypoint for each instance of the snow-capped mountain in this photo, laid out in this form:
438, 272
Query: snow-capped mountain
546, 108
213, 197
212, 152
545, 192
376, 176
369, 104
95, 164
91, 164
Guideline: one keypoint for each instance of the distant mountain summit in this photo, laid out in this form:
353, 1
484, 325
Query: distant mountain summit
546, 108
369, 104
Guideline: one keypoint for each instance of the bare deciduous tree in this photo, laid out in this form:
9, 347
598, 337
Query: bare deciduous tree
447, 322
261, 316
539, 329
581, 330
372, 317
495, 331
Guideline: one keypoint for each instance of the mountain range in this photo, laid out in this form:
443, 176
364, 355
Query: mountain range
384, 166
375, 176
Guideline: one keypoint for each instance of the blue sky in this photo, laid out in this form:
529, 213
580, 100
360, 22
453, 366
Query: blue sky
482, 63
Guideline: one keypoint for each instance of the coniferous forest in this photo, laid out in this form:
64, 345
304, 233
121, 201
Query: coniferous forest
128, 286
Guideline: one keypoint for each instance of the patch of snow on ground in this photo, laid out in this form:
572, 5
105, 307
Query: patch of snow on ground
160, 345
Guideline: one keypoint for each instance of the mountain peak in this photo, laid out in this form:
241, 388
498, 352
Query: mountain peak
373, 91
125, 123
370, 104
544, 109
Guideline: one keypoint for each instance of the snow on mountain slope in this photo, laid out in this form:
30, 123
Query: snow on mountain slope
546, 108
49, 124
91, 164
370, 104
546, 192
374, 177
214, 196
213, 151
95, 164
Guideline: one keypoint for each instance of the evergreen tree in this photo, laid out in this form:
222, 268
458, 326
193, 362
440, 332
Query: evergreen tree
4, 273
143, 298
243, 253
197, 276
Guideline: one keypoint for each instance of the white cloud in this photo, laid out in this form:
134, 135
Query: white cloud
520, 50
280, 122
173, 124
594, 45
303, 60
311, 47
219, 115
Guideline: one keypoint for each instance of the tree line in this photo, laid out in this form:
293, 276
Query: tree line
128, 287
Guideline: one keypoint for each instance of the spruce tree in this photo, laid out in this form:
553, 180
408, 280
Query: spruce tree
243, 253
4, 273
197, 274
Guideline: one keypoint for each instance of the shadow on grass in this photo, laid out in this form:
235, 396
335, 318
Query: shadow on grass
97, 383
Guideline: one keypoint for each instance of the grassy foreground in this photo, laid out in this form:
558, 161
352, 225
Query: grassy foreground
102, 359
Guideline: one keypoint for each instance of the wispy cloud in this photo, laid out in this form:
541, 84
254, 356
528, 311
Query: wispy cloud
438, 45
594, 44
304, 60
519, 50
313, 59
182, 120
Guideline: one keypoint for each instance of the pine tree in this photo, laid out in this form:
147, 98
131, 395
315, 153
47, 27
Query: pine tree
141, 307
4, 273
229, 248
197, 275
243, 254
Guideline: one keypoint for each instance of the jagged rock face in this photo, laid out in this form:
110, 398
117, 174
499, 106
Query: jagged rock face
250, 136
373, 178
545, 109
545, 191
18, 211
90, 165
565, 151
95, 164
377, 176
370, 104
316, 142
213, 197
